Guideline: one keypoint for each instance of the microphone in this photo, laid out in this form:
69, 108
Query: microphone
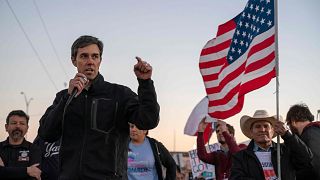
75, 92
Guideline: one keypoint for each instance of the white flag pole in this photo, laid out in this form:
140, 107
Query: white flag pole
277, 82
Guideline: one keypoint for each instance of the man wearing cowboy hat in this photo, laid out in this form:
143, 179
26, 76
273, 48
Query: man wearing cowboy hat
259, 159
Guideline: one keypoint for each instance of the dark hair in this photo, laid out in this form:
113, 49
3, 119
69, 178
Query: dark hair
299, 112
17, 113
230, 128
84, 41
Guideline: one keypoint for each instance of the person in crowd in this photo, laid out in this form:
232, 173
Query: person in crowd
19, 159
91, 116
259, 160
221, 159
49, 158
300, 120
147, 157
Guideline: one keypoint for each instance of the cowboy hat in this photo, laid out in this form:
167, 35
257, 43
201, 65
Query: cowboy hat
260, 115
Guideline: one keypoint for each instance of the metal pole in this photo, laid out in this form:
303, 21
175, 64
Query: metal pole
27, 101
277, 82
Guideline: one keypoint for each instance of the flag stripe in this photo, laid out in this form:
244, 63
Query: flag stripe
217, 48
258, 82
260, 63
226, 27
213, 63
264, 44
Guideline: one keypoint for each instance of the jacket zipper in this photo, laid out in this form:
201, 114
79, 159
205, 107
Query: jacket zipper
85, 135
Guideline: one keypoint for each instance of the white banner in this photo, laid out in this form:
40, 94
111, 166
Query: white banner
199, 168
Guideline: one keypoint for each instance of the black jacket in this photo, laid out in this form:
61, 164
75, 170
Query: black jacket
294, 155
95, 131
311, 136
17, 158
163, 158
49, 158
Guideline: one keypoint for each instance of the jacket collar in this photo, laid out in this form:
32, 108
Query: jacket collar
256, 148
96, 83
251, 146
312, 124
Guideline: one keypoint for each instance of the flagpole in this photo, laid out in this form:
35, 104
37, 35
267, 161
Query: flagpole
277, 82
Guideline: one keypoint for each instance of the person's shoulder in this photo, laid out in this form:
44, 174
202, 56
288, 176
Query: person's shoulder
117, 86
151, 140
154, 141
28, 143
243, 154
240, 154
62, 93
1, 144
311, 131
313, 126
4, 143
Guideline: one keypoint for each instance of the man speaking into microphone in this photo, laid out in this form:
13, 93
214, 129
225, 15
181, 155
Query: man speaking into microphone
93, 125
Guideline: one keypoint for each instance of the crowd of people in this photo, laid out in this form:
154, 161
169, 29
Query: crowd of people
99, 130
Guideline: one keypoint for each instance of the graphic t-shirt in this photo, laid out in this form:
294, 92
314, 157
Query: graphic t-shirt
267, 166
141, 163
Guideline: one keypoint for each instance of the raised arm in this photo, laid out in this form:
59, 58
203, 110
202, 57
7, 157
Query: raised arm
51, 122
212, 157
144, 111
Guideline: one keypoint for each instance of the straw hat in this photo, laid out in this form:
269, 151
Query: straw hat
260, 115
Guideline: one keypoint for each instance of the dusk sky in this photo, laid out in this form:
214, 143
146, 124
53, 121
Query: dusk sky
169, 34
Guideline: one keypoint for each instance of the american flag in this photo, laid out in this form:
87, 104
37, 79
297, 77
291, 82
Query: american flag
240, 59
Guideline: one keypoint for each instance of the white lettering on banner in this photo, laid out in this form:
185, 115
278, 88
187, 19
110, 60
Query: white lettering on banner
200, 168
51, 149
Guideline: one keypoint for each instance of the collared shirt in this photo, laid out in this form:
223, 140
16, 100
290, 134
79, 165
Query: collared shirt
264, 157
257, 148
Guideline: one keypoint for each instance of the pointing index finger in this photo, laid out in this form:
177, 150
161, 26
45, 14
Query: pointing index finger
138, 59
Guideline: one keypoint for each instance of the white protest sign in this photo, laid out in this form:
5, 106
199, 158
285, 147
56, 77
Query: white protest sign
200, 168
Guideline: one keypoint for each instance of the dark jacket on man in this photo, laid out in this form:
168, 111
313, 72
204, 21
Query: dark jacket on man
311, 136
94, 128
17, 158
163, 158
294, 155
49, 158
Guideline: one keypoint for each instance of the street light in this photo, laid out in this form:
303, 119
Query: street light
27, 101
